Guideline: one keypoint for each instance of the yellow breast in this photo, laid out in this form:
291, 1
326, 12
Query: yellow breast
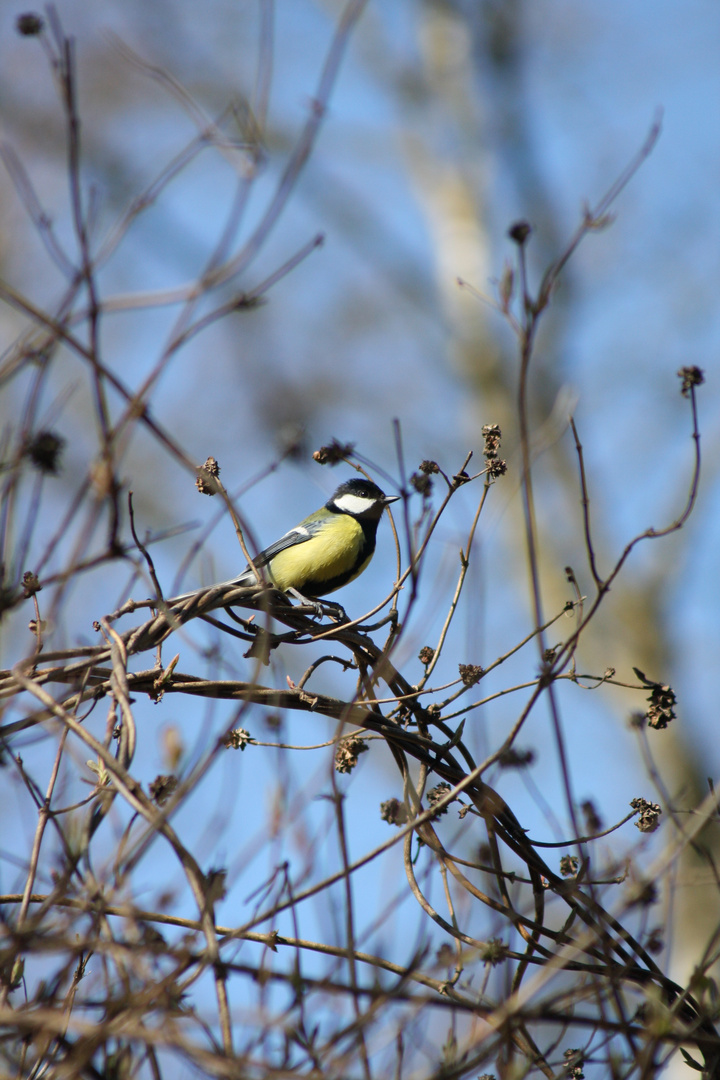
334, 552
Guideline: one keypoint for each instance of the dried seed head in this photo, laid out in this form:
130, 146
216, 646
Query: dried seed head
204, 482
593, 822
574, 1061
691, 376
496, 468
162, 787
333, 453
492, 435
662, 702
649, 814
445, 955
422, 484
655, 941
436, 794
519, 232
215, 884
426, 655
470, 673
31, 584
44, 451
494, 952
642, 894
238, 739
661, 711
569, 865
29, 24
348, 752
394, 812
516, 759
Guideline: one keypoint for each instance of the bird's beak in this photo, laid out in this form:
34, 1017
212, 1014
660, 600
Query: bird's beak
390, 499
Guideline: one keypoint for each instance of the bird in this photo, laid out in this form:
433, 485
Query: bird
326, 550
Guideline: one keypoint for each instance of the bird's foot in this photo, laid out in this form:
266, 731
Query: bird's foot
335, 611
320, 607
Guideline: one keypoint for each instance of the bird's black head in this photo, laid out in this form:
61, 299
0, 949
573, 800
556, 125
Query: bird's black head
361, 499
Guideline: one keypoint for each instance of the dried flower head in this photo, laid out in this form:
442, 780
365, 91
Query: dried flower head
649, 814
31, 584
493, 952
643, 893
29, 24
394, 812
436, 794
515, 759
661, 710
445, 955
429, 467
662, 702
655, 941
162, 787
204, 482
496, 468
215, 884
569, 865
593, 822
44, 451
348, 751
574, 1061
422, 484
491, 434
470, 674
426, 655
333, 453
519, 232
691, 376
238, 739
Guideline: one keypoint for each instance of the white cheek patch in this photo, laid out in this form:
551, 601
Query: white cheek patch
354, 504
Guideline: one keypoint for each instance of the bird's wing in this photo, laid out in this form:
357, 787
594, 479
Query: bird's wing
299, 535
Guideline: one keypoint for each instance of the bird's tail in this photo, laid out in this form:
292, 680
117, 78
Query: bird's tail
245, 579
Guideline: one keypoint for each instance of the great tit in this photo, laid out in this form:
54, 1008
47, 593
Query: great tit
326, 550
